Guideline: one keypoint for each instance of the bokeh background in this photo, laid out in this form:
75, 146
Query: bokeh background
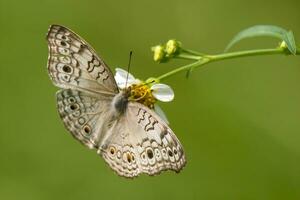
238, 119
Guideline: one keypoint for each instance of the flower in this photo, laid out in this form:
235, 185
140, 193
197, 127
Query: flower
147, 92
161, 92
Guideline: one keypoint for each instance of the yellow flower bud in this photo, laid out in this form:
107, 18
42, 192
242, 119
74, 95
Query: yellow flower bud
159, 53
173, 47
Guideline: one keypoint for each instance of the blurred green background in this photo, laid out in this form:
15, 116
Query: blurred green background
238, 119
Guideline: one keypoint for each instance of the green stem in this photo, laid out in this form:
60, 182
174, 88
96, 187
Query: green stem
192, 52
188, 57
183, 68
247, 53
202, 60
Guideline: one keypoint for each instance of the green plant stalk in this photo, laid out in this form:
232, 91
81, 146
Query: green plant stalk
188, 56
202, 60
192, 52
181, 69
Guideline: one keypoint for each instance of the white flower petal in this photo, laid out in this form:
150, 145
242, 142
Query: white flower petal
121, 76
161, 113
162, 92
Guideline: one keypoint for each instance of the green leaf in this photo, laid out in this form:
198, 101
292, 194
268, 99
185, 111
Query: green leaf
266, 30
290, 42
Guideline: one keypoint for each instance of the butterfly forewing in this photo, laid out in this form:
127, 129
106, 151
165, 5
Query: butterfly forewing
72, 63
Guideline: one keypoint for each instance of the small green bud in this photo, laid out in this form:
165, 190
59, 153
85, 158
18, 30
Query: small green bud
159, 53
173, 47
283, 45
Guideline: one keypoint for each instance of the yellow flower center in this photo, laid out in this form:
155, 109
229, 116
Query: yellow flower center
142, 93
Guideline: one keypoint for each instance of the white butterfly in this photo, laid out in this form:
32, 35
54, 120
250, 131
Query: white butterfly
130, 137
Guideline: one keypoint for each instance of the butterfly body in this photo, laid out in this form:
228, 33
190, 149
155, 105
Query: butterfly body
130, 136
120, 102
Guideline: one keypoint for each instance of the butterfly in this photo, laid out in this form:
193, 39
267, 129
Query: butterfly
130, 137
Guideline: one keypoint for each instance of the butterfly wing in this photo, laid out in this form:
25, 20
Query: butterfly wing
88, 84
72, 63
141, 142
84, 115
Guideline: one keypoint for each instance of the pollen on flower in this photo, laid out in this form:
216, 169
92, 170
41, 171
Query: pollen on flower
142, 93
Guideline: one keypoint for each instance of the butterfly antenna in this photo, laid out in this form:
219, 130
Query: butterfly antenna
128, 68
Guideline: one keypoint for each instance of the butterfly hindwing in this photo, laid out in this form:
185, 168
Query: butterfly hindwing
140, 142
72, 63
83, 115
